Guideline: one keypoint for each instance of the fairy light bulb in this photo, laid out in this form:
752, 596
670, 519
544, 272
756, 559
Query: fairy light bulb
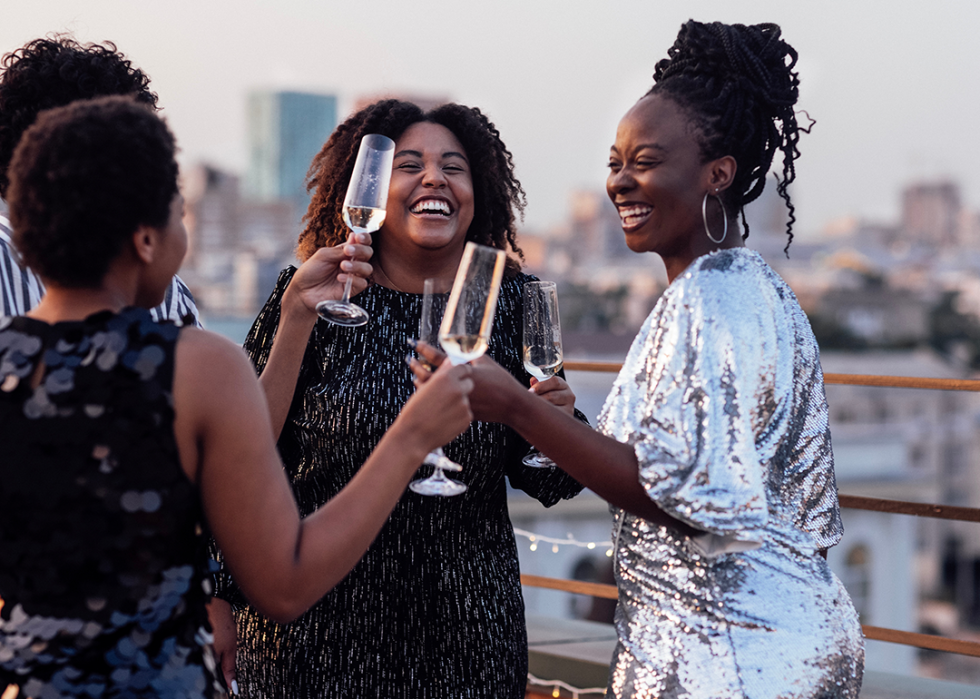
555, 692
534, 547
554, 548
591, 545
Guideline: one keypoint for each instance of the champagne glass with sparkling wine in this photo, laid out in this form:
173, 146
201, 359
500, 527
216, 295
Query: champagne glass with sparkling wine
464, 335
364, 212
542, 343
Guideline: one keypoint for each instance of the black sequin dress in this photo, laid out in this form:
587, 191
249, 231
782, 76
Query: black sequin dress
103, 563
434, 609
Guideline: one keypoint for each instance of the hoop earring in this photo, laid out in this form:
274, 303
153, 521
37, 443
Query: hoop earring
704, 216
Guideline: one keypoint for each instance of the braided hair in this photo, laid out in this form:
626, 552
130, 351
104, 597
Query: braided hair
497, 193
738, 86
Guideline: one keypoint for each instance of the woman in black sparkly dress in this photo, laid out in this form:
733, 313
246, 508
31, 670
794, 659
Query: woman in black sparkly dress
435, 607
120, 434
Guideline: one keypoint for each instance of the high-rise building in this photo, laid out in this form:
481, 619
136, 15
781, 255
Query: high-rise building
285, 131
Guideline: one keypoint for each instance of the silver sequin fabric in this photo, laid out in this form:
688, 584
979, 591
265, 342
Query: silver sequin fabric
103, 558
722, 398
434, 608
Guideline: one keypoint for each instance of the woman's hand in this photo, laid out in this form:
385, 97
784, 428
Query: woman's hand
439, 410
556, 391
433, 358
225, 640
323, 275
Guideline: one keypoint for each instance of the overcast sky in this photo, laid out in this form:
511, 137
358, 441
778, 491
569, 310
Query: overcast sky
894, 85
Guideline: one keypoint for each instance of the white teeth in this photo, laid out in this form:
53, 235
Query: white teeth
631, 214
431, 205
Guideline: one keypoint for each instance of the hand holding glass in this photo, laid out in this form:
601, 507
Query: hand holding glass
364, 212
542, 343
464, 333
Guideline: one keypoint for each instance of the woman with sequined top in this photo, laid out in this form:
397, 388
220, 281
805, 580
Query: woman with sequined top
435, 608
713, 446
122, 435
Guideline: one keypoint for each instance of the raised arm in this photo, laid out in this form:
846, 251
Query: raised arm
320, 278
281, 563
606, 466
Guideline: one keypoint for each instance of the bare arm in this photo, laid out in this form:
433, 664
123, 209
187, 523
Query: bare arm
281, 563
600, 463
320, 278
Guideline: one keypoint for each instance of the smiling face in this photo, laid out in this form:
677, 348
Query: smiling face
430, 199
657, 181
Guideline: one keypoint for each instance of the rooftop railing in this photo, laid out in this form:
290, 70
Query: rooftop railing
915, 509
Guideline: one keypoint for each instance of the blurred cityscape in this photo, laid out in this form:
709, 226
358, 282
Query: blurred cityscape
896, 297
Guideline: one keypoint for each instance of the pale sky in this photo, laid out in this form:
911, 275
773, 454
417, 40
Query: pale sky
894, 85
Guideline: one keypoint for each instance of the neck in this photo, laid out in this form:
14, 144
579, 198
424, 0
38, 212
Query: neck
698, 246
60, 303
407, 270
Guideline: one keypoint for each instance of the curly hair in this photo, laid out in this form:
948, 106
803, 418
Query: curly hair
738, 86
497, 192
83, 179
55, 71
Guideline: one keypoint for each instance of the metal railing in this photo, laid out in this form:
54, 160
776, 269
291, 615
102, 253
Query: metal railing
916, 509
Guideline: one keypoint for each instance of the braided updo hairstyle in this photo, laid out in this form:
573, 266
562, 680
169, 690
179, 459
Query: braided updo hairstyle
738, 86
497, 193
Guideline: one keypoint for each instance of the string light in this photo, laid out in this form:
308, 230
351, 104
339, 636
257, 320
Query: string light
558, 685
556, 543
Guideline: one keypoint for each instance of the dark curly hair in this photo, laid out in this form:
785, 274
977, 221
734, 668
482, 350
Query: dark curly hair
496, 190
738, 86
82, 180
55, 71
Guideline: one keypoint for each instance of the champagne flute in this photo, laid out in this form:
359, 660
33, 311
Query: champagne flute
434, 299
464, 333
542, 344
364, 212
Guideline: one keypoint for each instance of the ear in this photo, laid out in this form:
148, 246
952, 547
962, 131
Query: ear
145, 241
721, 173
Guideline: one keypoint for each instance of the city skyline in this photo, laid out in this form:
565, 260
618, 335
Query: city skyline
889, 84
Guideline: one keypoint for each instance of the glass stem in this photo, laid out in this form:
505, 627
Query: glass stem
347, 287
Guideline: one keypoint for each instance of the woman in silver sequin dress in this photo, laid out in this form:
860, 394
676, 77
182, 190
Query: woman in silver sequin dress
713, 447
435, 607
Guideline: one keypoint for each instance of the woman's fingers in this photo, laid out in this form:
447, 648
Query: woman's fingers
430, 354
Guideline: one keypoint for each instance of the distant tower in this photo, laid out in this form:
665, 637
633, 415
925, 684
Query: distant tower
285, 131
931, 213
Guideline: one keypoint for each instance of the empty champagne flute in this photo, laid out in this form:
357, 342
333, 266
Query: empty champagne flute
464, 333
364, 212
434, 299
542, 344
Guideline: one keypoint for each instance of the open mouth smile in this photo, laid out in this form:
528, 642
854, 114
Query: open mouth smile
432, 207
633, 215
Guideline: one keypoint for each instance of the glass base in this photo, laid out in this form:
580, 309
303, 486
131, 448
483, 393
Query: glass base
537, 460
437, 486
341, 313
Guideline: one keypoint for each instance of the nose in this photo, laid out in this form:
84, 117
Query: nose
619, 182
433, 176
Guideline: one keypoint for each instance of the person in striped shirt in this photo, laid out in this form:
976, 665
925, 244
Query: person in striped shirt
52, 72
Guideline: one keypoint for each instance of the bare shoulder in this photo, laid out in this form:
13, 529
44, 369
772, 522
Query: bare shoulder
209, 363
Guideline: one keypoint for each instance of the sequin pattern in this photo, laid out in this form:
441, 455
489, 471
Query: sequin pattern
103, 567
722, 399
434, 609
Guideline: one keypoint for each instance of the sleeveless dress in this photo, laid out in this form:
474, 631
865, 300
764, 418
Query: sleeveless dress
434, 609
722, 398
102, 555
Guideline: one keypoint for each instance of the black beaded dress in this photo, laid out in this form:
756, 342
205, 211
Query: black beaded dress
434, 609
103, 562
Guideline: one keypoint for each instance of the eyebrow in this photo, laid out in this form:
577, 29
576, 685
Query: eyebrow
418, 154
654, 146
